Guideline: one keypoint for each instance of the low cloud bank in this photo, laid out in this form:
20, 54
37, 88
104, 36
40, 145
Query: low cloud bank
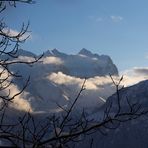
52, 86
134, 75
98, 89
11, 90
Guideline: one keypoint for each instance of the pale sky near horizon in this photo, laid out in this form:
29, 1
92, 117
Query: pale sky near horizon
118, 28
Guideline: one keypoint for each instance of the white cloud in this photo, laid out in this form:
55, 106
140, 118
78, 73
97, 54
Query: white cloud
135, 75
52, 60
94, 83
98, 89
24, 59
19, 101
95, 18
116, 18
99, 19
96, 92
12, 32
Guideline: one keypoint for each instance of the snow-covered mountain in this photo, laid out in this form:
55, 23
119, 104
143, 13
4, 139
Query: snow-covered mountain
57, 79
84, 64
129, 134
136, 94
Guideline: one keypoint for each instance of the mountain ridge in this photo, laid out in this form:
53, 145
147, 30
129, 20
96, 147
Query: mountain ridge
84, 64
59, 76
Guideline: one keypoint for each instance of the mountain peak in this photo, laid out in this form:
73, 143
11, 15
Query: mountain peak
85, 52
47, 53
55, 51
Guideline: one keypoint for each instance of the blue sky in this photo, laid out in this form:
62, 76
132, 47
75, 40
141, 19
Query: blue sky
118, 28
